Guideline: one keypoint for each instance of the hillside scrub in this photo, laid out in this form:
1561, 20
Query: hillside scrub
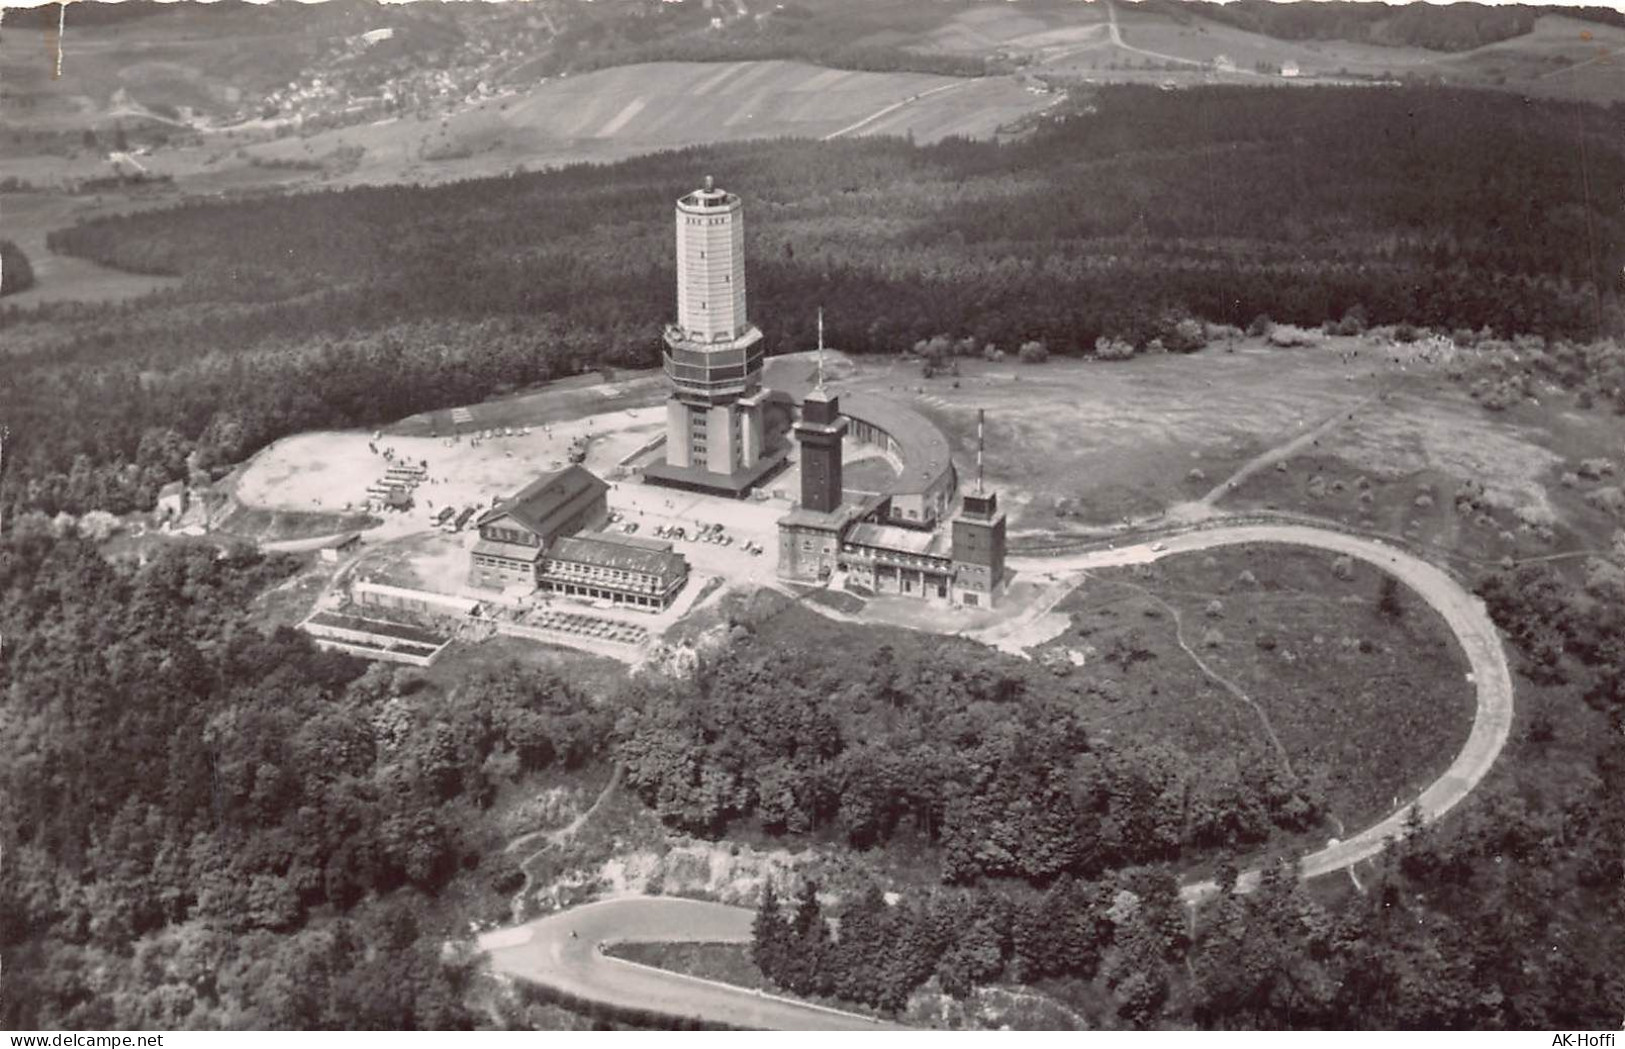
16, 273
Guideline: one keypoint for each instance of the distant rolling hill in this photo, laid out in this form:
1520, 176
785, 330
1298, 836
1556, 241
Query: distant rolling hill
627, 110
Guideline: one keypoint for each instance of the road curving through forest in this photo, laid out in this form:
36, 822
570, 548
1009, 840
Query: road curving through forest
561, 951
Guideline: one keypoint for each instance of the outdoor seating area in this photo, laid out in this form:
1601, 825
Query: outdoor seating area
585, 626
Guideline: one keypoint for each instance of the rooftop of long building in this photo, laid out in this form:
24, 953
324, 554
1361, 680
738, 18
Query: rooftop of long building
921, 445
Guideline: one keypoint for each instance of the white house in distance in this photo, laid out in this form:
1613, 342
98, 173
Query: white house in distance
1289, 68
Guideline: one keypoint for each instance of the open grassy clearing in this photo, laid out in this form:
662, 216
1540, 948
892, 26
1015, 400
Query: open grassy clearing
1204, 41
29, 217
987, 1008
1461, 483
463, 660
1378, 704
1074, 444
271, 525
724, 962
1562, 56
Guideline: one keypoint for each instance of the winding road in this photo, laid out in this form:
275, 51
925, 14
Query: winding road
1461, 611
560, 951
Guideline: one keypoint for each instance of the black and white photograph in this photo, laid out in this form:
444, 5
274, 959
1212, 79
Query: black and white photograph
653, 516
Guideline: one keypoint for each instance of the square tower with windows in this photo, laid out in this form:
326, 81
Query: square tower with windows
978, 541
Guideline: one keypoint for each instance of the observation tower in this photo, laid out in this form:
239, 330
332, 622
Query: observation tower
715, 435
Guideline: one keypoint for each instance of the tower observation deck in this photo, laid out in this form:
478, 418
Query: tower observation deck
713, 353
715, 438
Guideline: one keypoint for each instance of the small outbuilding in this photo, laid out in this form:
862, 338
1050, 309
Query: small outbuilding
172, 501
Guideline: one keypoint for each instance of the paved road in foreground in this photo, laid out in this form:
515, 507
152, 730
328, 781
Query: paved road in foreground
561, 951
1462, 611
545, 951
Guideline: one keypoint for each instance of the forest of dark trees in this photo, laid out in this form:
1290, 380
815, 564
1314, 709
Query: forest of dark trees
1508, 922
208, 825
205, 825
1443, 209
980, 758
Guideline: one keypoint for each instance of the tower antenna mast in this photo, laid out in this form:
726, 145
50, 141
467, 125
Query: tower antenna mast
980, 415
820, 347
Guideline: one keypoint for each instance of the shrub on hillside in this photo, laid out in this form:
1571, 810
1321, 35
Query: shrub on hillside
1354, 322
1610, 500
1186, 335
1288, 336
1034, 352
1113, 349
16, 274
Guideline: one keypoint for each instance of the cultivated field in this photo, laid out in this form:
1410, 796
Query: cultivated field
624, 111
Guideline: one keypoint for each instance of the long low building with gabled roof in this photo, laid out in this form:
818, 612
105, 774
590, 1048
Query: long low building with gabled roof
624, 570
515, 533
544, 538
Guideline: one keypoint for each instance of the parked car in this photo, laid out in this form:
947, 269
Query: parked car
631, 526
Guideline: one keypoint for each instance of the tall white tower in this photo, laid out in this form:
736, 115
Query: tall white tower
713, 354
711, 267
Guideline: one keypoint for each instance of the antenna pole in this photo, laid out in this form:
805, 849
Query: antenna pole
820, 347
981, 414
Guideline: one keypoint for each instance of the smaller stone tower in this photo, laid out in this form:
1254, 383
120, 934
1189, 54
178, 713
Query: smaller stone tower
978, 541
820, 433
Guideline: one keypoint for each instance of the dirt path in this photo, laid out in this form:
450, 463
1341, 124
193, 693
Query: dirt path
1280, 453
555, 839
858, 125
1221, 680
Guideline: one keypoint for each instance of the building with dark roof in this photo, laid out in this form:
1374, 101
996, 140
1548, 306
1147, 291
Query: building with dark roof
543, 538
515, 533
624, 570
